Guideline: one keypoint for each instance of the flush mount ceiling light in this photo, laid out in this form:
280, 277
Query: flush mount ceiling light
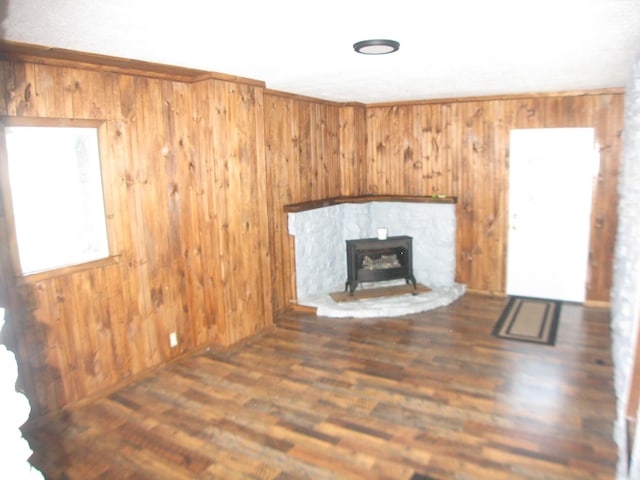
376, 46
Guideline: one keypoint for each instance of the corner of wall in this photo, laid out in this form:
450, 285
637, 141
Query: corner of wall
625, 293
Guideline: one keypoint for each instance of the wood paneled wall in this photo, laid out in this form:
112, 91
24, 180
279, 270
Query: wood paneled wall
196, 175
458, 148
461, 148
314, 150
183, 171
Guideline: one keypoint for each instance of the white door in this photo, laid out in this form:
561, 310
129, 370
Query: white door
550, 186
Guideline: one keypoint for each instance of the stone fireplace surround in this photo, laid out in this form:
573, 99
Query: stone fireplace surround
321, 231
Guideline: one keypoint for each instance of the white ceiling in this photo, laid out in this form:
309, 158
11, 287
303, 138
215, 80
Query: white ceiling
449, 48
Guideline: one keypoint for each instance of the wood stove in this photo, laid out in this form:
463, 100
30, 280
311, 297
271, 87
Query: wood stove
374, 260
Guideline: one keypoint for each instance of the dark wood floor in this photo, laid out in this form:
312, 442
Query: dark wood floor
321, 398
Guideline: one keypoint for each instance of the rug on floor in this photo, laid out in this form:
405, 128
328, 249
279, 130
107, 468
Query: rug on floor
527, 319
419, 476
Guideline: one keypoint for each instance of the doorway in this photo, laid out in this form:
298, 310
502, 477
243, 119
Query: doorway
550, 188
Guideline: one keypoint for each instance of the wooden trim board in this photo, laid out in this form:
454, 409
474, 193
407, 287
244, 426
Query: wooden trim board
378, 292
327, 202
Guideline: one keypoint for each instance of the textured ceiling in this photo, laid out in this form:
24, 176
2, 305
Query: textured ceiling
452, 48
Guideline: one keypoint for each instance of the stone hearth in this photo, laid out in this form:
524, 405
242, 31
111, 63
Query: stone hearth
320, 249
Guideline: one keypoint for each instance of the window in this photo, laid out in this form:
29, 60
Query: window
56, 195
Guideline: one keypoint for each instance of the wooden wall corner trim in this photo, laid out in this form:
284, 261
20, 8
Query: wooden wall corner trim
301, 308
227, 78
597, 304
512, 96
327, 202
304, 98
39, 54
486, 293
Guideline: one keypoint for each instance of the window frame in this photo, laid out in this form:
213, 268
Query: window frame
7, 199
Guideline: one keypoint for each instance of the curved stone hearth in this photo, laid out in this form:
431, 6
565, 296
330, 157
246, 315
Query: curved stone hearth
320, 250
393, 306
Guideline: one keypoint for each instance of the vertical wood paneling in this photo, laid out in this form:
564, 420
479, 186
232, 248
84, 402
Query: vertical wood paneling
206, 213
352, 141
452, 148
308, 185
282, 152
241, 202
195, 179
186, 204
607, 116
304, 158
124, 160
474, 137
263, 316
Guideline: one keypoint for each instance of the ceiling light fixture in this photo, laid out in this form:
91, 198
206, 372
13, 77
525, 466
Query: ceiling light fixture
376, 46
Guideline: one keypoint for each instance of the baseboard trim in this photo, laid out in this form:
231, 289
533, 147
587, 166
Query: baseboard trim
597, 304
492, 293
303, 308
486, 293
105, 392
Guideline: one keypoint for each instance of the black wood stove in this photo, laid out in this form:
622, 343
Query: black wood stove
374, 260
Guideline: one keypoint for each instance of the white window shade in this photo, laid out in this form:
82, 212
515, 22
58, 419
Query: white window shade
56, 190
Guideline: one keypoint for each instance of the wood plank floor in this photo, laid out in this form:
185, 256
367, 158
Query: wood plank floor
323, 398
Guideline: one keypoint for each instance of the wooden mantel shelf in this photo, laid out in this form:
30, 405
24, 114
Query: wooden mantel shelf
327, 202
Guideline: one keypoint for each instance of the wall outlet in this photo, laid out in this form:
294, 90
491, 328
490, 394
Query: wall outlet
173, 339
